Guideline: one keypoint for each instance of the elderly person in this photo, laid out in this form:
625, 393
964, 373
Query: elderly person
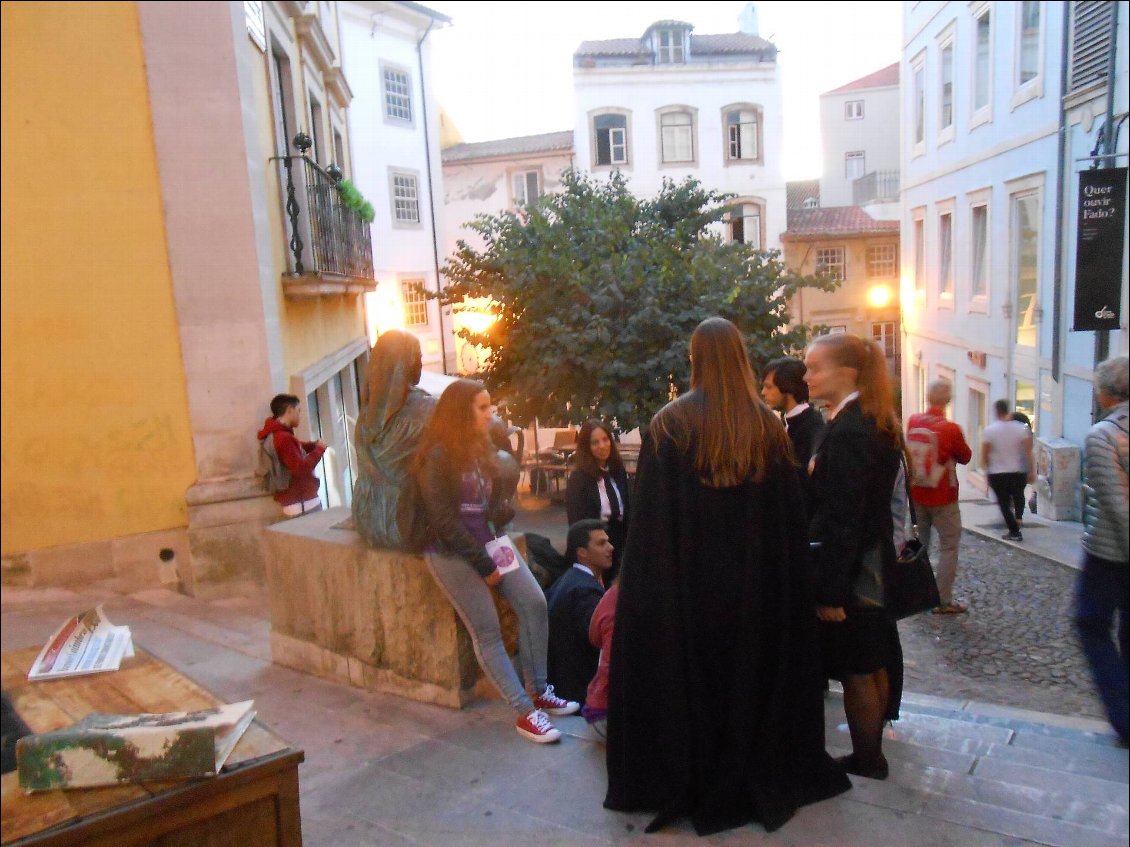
1103, 582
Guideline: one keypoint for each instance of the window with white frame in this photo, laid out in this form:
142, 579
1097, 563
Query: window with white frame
526, 187
946, 93
671, 49
882, 261
977, 419
853, 110
855, 164
884, 333
676, 137
945, 254
1025, 265
611, 135
919, 253
405, 199
835, 329
745, 225
979, 255
415, 302
830, 262
920, 103
398, 94
742, 132
1028, 54
316, 131
982, 59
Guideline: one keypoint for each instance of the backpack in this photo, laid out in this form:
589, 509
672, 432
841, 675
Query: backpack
278, 475
926, 470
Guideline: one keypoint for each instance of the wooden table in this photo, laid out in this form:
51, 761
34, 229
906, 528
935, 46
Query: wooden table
253, 802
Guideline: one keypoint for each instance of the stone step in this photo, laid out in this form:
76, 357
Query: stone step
1103, 763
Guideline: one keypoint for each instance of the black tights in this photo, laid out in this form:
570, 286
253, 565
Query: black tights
865, 704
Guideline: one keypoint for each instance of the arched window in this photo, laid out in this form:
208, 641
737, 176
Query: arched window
741, 123
676, 136
747, 223
609, 138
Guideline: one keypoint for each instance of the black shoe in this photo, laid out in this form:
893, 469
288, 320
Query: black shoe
879, 770
1012, 536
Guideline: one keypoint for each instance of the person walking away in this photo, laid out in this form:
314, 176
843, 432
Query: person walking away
572, 599
1006, 455
935, 447
1103, 582
853, 477
457, 471
598, 487
300, 458
715, 701
783, 389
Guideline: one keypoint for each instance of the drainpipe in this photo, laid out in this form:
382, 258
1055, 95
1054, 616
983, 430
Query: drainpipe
1102, 336
1061, 170
431, 190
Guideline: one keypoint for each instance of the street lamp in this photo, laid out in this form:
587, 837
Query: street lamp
879, 296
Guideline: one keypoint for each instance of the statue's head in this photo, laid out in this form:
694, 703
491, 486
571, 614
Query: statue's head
397, 349
395, 365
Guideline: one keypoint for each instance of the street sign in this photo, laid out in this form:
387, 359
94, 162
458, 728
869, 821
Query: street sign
1098, 255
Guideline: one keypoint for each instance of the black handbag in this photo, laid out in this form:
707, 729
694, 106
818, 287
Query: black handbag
909, 587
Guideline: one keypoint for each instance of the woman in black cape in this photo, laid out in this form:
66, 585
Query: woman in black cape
716, 696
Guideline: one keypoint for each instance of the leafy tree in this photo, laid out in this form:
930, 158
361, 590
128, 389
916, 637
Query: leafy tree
596, 293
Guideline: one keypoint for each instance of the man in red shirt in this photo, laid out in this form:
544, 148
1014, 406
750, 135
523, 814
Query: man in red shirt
936, 446
300, 458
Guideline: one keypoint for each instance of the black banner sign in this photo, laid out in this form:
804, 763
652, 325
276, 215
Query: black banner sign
1098, 254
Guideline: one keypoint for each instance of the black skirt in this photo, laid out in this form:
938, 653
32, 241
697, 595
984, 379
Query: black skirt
864, 643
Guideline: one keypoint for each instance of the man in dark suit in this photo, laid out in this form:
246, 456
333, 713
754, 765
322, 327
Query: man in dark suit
572, 600
783, 389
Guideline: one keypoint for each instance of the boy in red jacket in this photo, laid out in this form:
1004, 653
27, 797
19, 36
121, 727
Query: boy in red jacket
299, 457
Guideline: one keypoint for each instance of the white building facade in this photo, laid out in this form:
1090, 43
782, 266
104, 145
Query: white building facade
673, 104
859, 132
394, 122
988, 205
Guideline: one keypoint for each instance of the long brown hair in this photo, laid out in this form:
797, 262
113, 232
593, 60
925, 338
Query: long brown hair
452, 427
584, 458
737, 435
876, 396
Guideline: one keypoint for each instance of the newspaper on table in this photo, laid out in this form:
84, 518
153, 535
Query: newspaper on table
86, 643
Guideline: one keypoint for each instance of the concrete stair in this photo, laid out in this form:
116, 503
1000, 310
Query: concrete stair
1044, 783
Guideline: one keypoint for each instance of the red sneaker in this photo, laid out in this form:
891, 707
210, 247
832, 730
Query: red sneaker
551, 704
536, 727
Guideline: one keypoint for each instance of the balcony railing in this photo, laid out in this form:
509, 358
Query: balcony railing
875, 187
328, 239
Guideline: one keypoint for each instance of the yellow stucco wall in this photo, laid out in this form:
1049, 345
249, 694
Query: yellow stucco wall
316, 328
96, 440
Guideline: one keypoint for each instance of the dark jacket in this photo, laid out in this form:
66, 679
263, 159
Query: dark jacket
852, 482
805, 430
572, 658
441, 490
582, 500
715, 623
299, 457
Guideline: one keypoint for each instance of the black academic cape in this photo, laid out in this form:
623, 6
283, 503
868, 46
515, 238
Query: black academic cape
716, 706
805, 430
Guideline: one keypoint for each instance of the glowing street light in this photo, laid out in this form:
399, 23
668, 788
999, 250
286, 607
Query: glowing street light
879, 296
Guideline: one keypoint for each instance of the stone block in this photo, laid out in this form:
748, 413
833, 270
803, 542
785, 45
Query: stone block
150, 559
376, 618
71, 563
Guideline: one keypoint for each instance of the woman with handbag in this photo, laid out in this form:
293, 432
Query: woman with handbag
715, 701
598, 488
457, 472
852, 481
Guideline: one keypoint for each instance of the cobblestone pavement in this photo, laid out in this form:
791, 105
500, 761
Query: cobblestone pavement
1016, 647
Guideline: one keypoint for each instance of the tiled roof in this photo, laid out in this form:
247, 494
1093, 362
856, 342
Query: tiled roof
799, 191
888, 76
425, 10
548, 142
701, 45
839, 220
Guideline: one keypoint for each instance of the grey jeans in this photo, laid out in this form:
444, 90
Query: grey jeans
472, 600
947, 521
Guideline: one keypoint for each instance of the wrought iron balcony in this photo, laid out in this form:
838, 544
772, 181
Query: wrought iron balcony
330, 247
875, 187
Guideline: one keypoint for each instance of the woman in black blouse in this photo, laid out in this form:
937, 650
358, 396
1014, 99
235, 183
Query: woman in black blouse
598, 487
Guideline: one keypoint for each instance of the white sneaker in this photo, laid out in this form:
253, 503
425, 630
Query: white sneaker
536, 727
551, 704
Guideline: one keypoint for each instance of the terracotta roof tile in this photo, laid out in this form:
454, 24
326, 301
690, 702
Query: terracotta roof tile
548, 142
799, 191
838, 220
887, 77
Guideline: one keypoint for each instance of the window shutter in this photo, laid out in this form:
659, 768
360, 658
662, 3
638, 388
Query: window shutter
1090, 42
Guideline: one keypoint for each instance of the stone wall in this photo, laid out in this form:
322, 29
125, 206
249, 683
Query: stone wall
371, 618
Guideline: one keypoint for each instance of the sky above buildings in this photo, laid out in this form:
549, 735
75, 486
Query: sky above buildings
504, 69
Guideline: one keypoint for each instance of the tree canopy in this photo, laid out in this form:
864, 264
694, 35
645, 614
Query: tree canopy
596, 293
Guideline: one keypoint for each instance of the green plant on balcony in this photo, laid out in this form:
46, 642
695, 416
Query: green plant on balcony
355, 200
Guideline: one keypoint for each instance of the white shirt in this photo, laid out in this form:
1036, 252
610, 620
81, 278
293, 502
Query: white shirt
605, 505
579, 566
796, 410
854, 395
1008, 446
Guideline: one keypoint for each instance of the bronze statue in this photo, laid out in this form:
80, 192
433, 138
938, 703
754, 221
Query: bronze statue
394, 412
